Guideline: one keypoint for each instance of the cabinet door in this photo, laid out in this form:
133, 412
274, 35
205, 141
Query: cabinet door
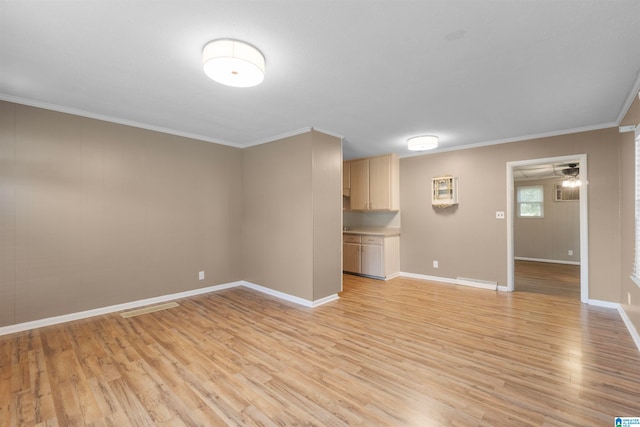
380, 183
351, 257
346, 179
372, 263
359, 184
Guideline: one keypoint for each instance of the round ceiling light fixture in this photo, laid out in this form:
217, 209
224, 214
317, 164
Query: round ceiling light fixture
422, 143
233, 63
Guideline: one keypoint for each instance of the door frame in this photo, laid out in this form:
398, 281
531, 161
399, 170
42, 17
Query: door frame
584, 223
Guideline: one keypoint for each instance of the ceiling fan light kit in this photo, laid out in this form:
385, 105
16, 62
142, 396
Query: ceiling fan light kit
233, 63
571, 174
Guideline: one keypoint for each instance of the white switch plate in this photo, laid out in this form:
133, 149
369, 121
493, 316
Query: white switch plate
201, 275
570, 252
499, 214
435, 264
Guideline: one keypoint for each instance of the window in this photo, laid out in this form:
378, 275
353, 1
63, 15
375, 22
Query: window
635, 275
530, 202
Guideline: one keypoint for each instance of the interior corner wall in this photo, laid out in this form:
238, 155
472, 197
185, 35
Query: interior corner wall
94, 214
630, 292
277, 237
468, 240
551, 237
292, 212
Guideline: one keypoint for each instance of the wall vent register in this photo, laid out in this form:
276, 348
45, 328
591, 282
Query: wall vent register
566, 194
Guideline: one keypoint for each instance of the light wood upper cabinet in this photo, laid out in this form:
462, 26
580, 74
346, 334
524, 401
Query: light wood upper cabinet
375, 183
360, 185
346, 179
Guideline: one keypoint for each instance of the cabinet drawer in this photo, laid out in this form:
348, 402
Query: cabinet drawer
351, 238
372, 240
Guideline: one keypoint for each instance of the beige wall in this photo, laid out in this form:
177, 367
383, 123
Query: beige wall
550, 237
630, 293
327, 215
94, 214
292, 215
469, 242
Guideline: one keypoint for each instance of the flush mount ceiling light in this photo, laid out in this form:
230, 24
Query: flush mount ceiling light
422, 143
233, 63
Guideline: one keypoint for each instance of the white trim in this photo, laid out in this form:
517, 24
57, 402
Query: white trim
430, 278
584, 218
161, 129
117, 120
325, 300
550, 261
635, 91
509, 223
632, 329
623, 315
604, 304
516, 139
20, 327
326, 132
459, 281
278, 137
290, 298
392, 276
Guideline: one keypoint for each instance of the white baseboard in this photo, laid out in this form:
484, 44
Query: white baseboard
605, 304
632, 329
551, 261
325, 300
627, 322
290, 298
459, 281
20, 327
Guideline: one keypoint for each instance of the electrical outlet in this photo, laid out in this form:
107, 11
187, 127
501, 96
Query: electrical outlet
499, 214
570, 252
435, 264
201, 275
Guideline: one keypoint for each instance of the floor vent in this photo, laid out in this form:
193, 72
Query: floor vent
149, 309
476, 283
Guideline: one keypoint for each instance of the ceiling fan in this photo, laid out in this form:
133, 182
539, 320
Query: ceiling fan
571, 173
572, 170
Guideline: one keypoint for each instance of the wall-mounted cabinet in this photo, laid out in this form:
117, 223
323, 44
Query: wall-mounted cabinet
374, 184
346, 179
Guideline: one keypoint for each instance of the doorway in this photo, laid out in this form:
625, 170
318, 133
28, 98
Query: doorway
512, 168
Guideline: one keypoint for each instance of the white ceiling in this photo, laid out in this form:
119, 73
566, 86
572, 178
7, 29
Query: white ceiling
473, 72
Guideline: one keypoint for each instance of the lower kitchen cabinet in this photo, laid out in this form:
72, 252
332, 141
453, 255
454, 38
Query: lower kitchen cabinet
351, 257
371, 255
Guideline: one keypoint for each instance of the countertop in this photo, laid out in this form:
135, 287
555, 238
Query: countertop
373, 231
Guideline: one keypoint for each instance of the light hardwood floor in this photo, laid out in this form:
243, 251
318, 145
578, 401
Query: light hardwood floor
561, 280
404, 352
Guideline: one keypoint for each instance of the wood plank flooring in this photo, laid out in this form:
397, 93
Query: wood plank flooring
561, 280
401, 353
